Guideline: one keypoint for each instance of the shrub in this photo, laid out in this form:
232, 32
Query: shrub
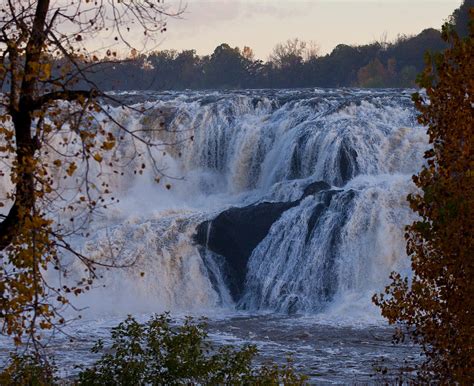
158, 352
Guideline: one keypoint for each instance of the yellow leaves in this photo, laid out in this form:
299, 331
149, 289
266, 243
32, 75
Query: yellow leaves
44, 325
4, 118
5, 131
39, 70
85, 135
71, 169
45, 71
31, 250
108, 145
33, 70
81, 99
98, 157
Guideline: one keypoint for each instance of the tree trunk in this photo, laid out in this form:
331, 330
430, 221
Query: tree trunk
22, 120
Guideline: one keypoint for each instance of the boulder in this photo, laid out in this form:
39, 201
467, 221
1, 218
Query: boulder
236, 232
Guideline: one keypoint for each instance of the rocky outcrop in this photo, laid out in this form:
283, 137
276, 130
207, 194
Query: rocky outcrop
236, 232
315, 188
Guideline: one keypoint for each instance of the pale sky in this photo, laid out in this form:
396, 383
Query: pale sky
261, 24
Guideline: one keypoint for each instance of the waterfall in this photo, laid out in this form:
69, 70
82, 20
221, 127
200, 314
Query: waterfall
231, 152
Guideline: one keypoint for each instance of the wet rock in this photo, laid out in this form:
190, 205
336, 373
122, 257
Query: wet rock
314, 188
235, 233
347, 162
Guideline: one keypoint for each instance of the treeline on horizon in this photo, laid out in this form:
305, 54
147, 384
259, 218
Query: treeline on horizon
292, 64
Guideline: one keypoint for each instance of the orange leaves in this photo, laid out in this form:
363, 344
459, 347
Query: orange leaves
45, 71
109, 142
8, 134
71, 169
438, 303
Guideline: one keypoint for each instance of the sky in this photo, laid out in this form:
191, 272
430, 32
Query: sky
261, 24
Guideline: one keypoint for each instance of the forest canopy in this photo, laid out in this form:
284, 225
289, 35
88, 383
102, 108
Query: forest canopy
293, 63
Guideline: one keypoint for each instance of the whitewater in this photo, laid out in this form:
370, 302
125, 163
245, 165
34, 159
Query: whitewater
278, 214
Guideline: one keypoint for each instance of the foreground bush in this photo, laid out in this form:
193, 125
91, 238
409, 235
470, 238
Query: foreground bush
159, 352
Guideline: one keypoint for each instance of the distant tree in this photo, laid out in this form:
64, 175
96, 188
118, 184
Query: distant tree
286, 63
341, 66
50, 134
435, 307
460, 18
288, 54
311, 51
293, 63
408, 51
247, 54
376, 74
373, 74
226, 68
164, 74
407, 77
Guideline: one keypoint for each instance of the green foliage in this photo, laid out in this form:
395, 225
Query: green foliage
158, 352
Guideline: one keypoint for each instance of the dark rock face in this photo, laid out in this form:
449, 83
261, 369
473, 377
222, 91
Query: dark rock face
315, 188
235, 233
347, 162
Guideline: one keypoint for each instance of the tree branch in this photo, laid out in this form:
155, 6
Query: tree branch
67, 95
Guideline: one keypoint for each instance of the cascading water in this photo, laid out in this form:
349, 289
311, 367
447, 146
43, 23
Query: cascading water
238, 149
